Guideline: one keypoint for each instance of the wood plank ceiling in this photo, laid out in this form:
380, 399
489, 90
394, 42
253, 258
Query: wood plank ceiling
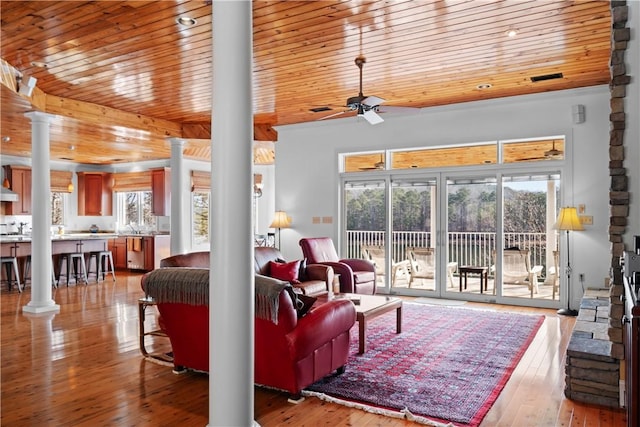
121, 76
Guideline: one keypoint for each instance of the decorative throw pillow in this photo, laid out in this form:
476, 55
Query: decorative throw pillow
302, 303
284, 271
307, 303
302, 272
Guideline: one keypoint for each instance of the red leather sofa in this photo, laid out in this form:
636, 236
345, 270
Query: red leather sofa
356, 275
192, 259
317, 279
289, 355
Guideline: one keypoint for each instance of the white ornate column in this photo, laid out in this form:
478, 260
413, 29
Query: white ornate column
231, 301
41, 300
180, 230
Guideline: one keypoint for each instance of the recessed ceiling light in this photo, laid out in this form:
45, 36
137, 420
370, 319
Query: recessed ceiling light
511, 32
483, 86
186, 21
39, 64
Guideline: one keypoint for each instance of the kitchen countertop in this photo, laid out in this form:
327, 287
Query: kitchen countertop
13, 238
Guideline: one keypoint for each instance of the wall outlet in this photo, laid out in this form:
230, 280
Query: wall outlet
315, 220
327, 219
581, 277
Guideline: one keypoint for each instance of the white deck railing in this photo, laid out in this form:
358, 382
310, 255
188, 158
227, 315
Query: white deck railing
469, 248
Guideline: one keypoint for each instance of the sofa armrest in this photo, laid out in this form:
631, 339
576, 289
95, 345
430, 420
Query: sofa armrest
320, 272
320, 326
359, 264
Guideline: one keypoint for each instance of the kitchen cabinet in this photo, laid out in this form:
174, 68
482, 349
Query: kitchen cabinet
140, 252
161, 191
118, 248
20, 179
95, 195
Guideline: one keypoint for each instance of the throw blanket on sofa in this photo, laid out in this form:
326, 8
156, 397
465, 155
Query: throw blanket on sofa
178, 285
268, 297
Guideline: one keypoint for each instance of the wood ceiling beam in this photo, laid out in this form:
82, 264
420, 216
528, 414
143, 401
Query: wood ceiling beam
102, 115
262, 128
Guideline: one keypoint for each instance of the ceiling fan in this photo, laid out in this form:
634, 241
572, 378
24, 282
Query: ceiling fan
553, 154
367, 107
376, 166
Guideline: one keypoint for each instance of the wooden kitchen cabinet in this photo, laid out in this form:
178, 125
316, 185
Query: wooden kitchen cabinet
161, 191
95, 195
155, 249
20, 179
148, 248
118, 248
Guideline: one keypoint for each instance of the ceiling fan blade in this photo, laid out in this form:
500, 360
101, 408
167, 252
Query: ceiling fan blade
372, 101
333, 115
372, 117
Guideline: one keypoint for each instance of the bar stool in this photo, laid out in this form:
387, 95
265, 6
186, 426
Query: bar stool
103, 263
11, 263
77, 260
27, 272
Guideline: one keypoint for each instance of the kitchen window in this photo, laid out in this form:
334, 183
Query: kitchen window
57, 208
135, 210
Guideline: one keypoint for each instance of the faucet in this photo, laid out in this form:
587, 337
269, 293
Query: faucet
21, 227
133, 230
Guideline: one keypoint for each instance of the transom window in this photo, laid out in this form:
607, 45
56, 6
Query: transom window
480, 153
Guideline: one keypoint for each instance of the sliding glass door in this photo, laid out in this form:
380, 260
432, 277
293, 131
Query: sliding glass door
471, 232
366, 224
530, 251
414, 230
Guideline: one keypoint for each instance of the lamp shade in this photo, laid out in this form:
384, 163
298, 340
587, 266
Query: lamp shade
280, 220
568, 220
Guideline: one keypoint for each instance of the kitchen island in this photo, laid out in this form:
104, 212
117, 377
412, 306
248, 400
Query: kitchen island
150, 248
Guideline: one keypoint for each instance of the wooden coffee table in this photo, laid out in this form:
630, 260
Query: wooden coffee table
370, 306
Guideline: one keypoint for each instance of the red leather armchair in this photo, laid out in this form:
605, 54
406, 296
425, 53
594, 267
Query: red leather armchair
318, 277
356, 275
295, 353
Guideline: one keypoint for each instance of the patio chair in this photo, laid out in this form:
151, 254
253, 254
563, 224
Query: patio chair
553, 272
422, 264
376, 254
517, 270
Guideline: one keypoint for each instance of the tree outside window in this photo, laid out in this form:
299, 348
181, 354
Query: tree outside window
57, 208
200, 203
135, 210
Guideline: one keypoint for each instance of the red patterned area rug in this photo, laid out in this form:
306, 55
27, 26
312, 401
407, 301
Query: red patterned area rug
447, 367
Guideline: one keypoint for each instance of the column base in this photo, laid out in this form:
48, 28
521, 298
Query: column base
40, 309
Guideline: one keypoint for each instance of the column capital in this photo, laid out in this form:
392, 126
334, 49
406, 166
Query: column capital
38, 116
175, 141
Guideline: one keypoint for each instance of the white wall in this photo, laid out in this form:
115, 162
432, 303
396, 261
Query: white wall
307, 165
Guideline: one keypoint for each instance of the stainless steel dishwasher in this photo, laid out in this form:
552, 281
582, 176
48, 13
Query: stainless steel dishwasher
135, 253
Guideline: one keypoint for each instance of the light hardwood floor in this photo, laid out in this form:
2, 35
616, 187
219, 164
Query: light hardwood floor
82, 367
